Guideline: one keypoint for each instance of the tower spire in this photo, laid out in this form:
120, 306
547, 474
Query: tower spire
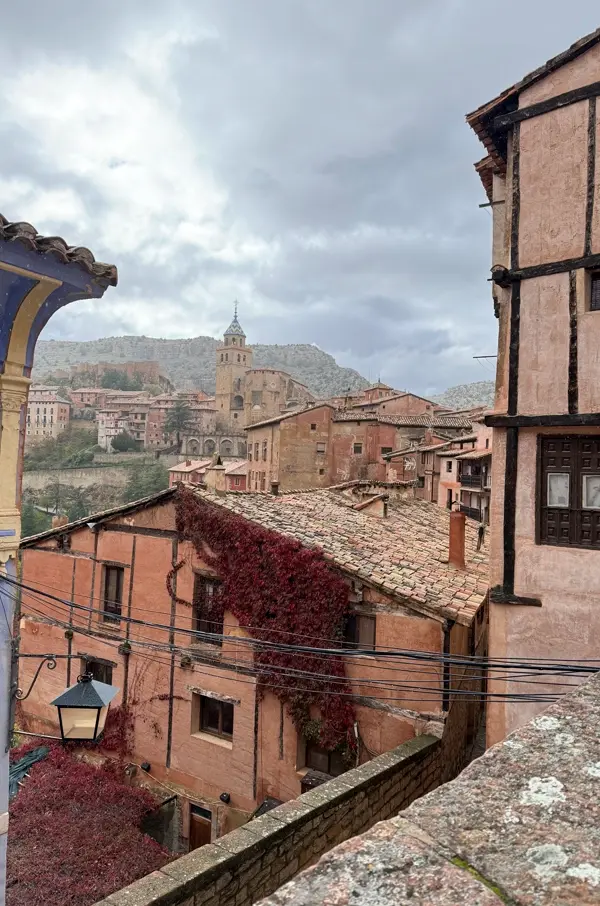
235, 306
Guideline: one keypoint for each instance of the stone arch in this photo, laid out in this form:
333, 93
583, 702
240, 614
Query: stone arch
209, 446
238, 402
193, 446
226, 448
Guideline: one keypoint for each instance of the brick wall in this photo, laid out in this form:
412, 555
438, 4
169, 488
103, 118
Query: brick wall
253, 861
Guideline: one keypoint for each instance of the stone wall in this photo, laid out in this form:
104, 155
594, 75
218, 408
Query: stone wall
114, 476
254, 860
520, 825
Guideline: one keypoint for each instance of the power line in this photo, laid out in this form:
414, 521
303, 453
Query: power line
536, 664
389, 685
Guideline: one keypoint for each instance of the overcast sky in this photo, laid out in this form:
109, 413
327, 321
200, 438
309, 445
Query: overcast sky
307, 157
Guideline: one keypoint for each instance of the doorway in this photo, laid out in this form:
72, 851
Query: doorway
449, 499
200, 826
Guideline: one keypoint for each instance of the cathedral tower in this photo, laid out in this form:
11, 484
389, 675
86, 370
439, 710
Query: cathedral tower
234, 359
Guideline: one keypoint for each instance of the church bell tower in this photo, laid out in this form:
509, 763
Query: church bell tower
234, 359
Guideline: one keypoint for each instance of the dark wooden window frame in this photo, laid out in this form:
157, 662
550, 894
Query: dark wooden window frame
225, 716
112, 606
201, 621
360, 631
101, 670
572, 525
315, 758
594, 290
357, 449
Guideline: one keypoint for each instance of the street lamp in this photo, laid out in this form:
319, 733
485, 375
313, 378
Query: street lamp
83, 708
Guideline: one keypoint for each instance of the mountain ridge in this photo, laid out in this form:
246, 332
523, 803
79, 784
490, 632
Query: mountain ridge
192, 362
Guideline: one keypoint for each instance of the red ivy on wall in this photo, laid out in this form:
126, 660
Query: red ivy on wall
74, 832
285, 593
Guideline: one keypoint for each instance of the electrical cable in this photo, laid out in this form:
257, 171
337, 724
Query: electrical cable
425, 692
464, 660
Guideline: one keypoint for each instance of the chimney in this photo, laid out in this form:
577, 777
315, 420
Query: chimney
456, 553
214, 478
57, 521
188, 462
274, 488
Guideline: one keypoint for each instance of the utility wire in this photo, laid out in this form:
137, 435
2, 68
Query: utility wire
425, 692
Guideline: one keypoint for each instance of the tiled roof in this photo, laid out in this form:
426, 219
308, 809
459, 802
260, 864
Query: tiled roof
404, 555
427, 420
237, 468
482, 119
27, 235
194, 465
103, 516
429, 448
475, 454
485, 168
279, 418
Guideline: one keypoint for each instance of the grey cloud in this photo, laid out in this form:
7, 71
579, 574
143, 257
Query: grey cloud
336, 131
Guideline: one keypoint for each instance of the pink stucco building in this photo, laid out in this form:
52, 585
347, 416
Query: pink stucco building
541, 178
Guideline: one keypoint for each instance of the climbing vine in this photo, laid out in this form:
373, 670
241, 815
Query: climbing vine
281, 592
75, 831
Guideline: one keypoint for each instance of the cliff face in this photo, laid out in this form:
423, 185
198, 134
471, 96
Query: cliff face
191, 363
464, 396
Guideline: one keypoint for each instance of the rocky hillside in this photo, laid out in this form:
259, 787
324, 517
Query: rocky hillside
464, 396
191, 363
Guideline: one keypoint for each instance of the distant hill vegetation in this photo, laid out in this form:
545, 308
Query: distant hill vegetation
464, 396
191, 363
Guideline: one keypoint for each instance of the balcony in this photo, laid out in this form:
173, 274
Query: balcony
471, 512
471, 481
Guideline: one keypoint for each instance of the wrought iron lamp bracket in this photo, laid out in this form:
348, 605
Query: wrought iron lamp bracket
50, 662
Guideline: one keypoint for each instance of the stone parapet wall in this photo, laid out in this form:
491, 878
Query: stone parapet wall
256, 859
519, 826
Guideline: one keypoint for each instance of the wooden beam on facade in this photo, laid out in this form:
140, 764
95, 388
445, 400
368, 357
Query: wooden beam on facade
506, 120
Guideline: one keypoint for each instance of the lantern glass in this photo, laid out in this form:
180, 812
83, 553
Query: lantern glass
83, 708
82, 723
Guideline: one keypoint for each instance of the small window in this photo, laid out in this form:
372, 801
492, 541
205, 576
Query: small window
215, 717
100, 671
357, 449
595, 292
257, 397
487, 443
113, 593
448, 465
318, 759
206, 616
250, 453
321, 471
321, 448
386, 450
256, 451
264, 450
313, 427
236, 482
359, 631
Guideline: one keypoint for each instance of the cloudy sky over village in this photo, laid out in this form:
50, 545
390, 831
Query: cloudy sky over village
307, 157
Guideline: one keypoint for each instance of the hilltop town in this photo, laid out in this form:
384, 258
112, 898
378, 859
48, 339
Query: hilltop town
285, 642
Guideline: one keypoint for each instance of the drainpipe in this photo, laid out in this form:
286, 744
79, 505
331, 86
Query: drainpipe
448, 624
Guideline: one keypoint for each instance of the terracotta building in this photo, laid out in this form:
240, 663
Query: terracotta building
197, 472
269, 392
48, 413
541, 178
133, 602
322, 446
